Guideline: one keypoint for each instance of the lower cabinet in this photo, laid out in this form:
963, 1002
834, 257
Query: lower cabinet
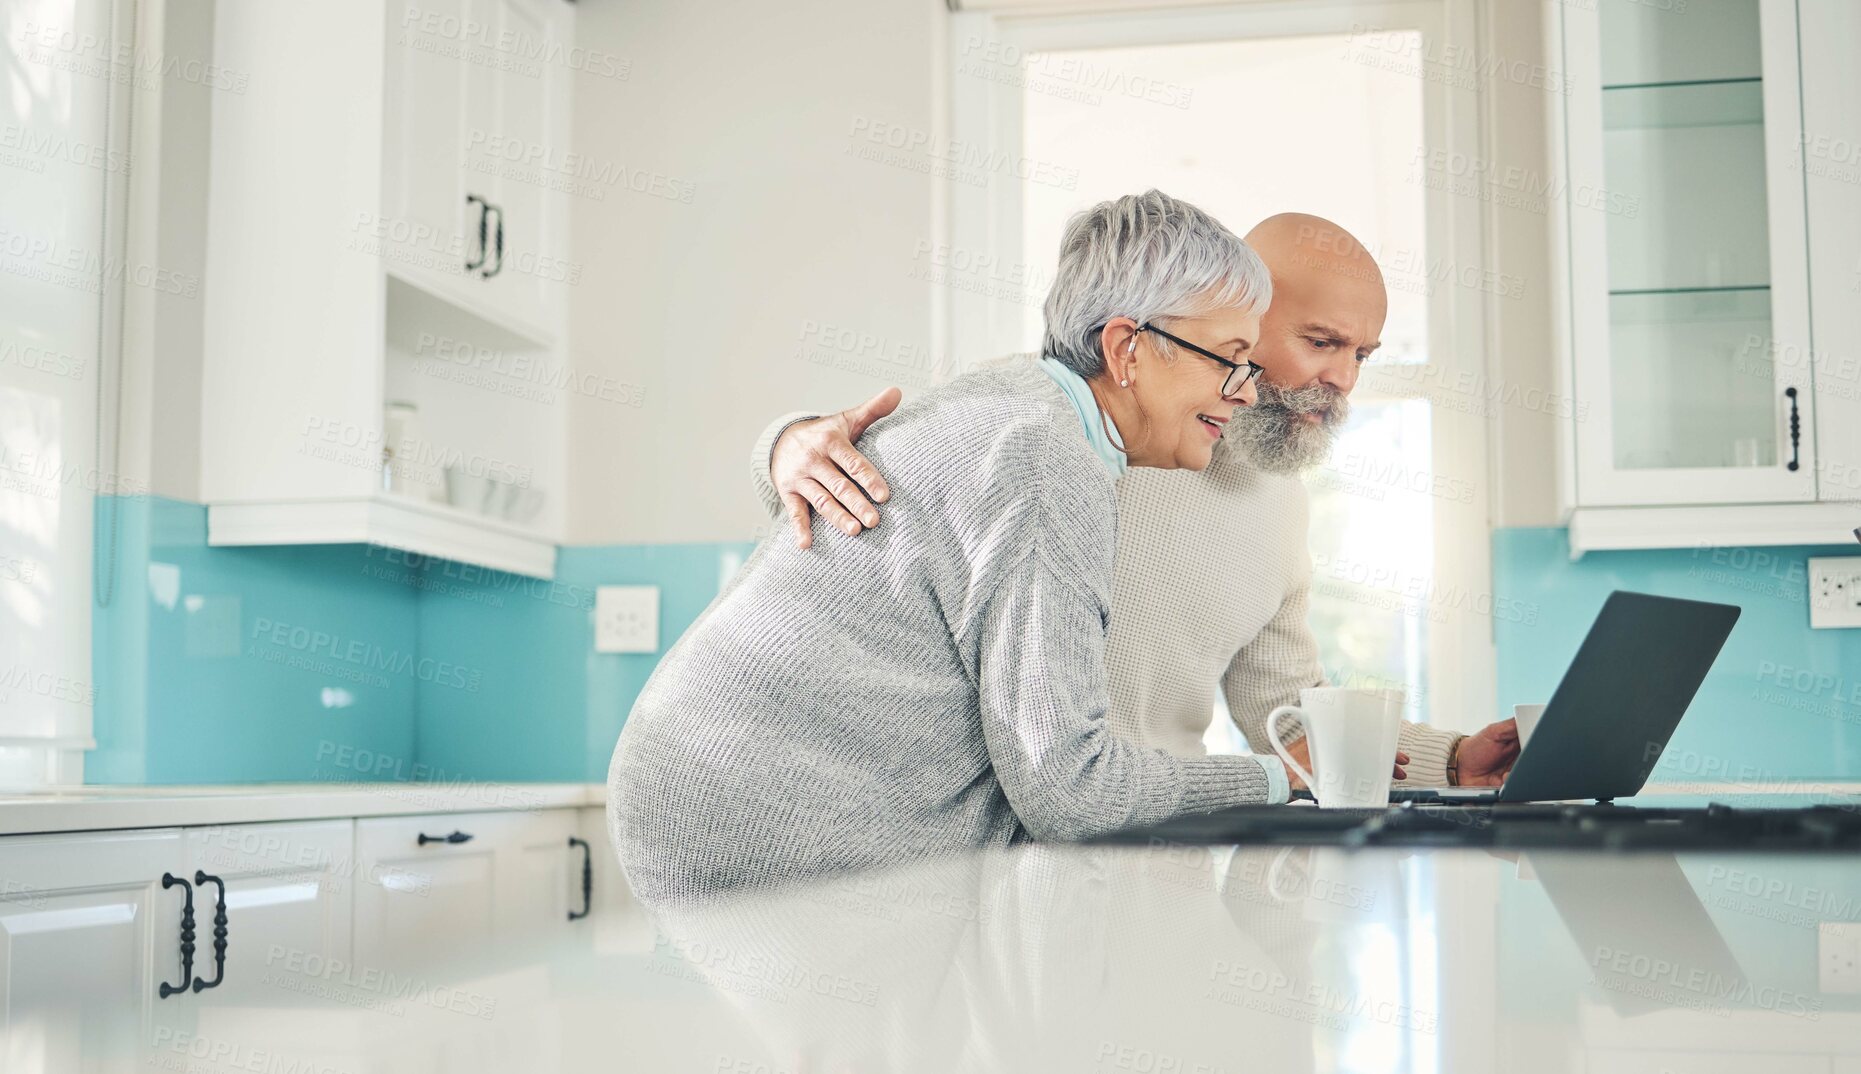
288, 901
454, 880
90, 935
611, 893
87, 935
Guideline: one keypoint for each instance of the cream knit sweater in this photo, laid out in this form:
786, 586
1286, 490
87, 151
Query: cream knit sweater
1220, 600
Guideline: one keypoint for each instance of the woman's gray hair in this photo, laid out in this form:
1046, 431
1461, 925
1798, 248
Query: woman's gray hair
1148, 257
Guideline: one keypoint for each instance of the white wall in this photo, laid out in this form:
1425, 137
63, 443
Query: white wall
703, 304
1522, 344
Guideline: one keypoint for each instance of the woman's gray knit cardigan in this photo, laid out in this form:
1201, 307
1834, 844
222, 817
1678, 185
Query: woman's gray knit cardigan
934, 685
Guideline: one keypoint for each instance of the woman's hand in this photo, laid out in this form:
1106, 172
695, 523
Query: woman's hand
1302, 752
814, 462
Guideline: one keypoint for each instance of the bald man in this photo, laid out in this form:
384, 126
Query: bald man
1213, 571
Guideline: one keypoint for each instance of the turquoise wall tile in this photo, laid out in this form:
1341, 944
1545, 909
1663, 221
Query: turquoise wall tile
244, 664
348, 662
550, 707
1782, 703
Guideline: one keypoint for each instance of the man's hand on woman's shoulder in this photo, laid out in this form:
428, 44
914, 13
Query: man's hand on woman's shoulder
814, 463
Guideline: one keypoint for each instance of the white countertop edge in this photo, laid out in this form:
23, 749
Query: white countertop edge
114, 808
99, 808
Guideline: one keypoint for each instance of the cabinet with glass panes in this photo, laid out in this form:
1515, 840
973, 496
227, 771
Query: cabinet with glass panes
1688, 254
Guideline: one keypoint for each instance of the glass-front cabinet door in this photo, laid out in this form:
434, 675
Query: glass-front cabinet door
1689, 278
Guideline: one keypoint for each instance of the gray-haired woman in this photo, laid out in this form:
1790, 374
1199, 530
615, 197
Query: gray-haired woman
961, 702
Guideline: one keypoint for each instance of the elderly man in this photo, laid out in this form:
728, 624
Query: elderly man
1184, 620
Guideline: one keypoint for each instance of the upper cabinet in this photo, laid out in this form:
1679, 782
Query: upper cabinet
387, 274
473, 142
1831, 160
1690, 276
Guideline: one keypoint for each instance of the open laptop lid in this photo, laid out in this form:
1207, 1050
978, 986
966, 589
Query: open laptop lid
1621, 698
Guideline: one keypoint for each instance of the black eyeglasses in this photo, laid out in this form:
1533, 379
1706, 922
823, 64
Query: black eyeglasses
1238, 374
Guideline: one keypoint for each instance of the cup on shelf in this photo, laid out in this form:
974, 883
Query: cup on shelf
469, 491
491, 496
522, 504
403, 442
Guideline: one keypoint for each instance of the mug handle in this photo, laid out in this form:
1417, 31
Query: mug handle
1273, 737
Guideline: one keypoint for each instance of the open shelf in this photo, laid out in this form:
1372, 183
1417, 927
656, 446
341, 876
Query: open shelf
429, 529
431, 295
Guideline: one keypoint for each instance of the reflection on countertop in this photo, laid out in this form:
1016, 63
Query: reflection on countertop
1170, 958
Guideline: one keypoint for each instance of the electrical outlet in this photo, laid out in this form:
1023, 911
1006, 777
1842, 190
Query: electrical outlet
1838, 947
626, 619
1835, 592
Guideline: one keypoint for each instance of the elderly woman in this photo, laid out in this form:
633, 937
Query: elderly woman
939, 683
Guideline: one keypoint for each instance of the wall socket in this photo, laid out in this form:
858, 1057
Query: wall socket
1835, 592
626, 619
1838, 957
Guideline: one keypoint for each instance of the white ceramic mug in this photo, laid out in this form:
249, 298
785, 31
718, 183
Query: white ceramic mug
1526, 716
1351, 736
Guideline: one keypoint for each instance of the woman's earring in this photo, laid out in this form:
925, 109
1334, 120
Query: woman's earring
1124, 384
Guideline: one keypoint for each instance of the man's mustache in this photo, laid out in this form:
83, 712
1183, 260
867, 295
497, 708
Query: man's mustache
1307, 400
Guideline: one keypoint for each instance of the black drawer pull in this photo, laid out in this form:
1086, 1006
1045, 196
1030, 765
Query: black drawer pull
1796, 432
474, 264
187, 935
496, 266
201, 880
587, 878
455, 837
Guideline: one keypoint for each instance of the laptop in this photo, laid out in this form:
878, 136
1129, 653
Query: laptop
1621, 698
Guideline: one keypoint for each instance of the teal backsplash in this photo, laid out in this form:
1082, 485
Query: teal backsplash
1782, 703
347, 662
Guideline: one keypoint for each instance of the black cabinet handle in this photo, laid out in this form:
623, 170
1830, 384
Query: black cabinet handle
587, 878
455, 837
201, 880
187, 935
497, 241
1796, 430
483, 250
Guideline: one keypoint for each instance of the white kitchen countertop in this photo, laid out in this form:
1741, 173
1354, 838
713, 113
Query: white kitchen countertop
102, 808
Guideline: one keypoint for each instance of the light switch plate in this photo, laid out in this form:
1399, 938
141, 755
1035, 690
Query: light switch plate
626, 619
1838, 947
1834, 592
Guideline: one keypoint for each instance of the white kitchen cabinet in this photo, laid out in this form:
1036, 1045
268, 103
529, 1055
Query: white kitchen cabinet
611, 895
483, 877
477, 144
87, 937
1694, 247
288, 900
346, 273
1831, 160
89, 934
1689, 256
317, 912
517, 134
425, 97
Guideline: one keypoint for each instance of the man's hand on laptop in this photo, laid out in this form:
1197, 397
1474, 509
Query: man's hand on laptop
814, 463
1485, 758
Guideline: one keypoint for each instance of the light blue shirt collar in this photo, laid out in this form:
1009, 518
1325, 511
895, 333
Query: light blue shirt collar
1079, 393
